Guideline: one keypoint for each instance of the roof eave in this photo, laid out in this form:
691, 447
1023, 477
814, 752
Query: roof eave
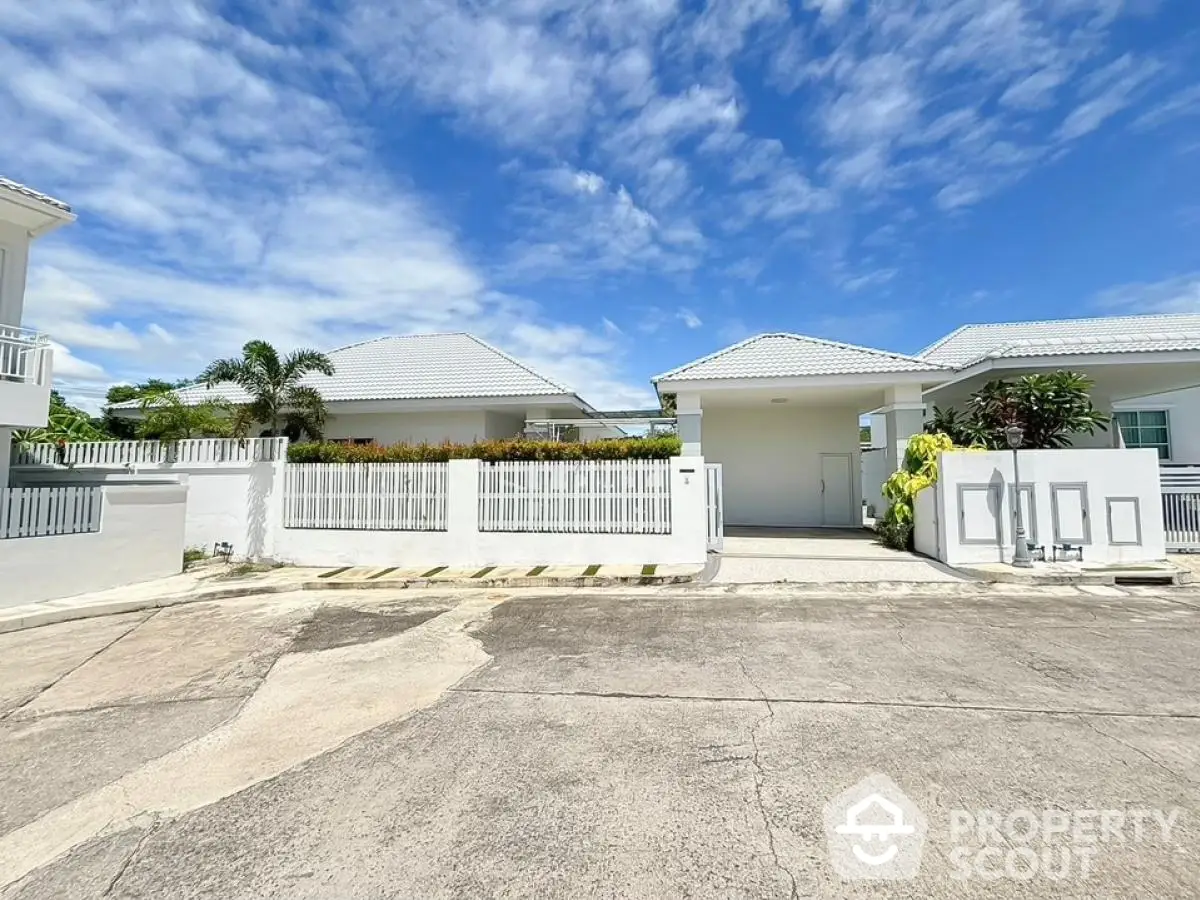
883, 379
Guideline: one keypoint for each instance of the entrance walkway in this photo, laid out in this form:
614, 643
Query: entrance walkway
765, 555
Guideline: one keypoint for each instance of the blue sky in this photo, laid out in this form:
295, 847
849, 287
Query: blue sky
605, 188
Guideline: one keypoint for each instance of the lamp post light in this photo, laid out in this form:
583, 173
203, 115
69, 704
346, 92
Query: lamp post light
1015, 434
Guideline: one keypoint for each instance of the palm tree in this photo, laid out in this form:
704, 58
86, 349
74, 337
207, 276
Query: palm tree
276, 394
167, 418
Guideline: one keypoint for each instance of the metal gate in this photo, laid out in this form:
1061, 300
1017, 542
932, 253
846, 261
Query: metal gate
714, 506
1181, 506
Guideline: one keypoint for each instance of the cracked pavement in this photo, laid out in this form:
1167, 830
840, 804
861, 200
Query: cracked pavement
655, 743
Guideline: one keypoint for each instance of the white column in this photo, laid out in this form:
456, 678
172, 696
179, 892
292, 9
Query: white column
689, 413
904, 416
5, 454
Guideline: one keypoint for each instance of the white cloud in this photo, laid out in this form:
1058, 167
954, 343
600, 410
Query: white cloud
688, 318
1108, 91
1183, 104
1179, 294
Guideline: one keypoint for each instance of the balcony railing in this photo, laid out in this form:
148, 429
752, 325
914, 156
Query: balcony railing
22, 353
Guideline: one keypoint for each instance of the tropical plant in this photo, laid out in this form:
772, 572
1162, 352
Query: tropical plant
917, 472
65, 424
278, 399
1050, 407
165, 417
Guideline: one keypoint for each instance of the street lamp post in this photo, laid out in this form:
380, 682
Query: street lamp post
1021, 560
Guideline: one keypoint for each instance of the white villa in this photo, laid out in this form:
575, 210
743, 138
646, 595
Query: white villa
422, 388
25, 356
780, 412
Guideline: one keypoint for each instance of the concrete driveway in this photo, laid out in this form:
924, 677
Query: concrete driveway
644, 744
820, 555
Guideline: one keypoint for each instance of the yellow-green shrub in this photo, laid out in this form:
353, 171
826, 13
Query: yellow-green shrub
917, 472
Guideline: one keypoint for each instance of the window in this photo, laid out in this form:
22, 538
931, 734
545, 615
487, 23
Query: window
1146, 428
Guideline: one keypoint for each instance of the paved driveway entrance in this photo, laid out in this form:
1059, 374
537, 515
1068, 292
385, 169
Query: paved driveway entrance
761, 555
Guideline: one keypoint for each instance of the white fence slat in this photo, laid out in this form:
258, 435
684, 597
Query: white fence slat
586, 497
202, 451
366, 496
46, 511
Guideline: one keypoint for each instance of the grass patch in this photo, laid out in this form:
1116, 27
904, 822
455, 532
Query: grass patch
333, 572
193, 555
649, 570
535, 571
590, 571
249, 568
483, 571
380, 574
434, 571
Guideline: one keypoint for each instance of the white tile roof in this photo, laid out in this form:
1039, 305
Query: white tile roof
410, 367
18, 188
1114, 334
784, 355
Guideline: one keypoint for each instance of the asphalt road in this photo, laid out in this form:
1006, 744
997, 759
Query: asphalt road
663, 744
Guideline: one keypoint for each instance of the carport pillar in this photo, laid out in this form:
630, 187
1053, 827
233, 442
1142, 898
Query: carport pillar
688, 414
904, 416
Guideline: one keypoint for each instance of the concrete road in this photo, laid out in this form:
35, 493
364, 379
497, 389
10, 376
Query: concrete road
650, 744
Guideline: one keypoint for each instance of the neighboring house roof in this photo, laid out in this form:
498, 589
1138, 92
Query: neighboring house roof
782, 355
30, 193
1119, 334
409, 367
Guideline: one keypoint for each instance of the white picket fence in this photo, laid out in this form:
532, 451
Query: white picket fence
43, 511
1181, 506
594, 497
122, 453
377, 496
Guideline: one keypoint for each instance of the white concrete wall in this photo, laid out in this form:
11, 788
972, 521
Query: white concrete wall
1183, 420
140, 539
462, 544
464, 426
503, 425
1107, 474
237, 503
771, 457
926, 526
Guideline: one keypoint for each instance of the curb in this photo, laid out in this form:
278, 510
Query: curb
56, 614
1178, 578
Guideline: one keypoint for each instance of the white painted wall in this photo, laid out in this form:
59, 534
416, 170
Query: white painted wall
236, 502
14, 259
926, 532
462, 544
140, 539
463, 426
1107, 474
771, 458
1183, 420
503, 425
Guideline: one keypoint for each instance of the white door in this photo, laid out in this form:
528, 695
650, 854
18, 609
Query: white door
836, 497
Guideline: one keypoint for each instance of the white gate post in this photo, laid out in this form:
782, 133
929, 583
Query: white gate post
462, 507
689, 509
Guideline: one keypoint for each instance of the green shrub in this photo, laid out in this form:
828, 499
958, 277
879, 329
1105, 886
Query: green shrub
917, 472
518, 449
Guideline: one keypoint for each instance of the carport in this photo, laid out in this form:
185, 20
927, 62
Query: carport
780, 414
